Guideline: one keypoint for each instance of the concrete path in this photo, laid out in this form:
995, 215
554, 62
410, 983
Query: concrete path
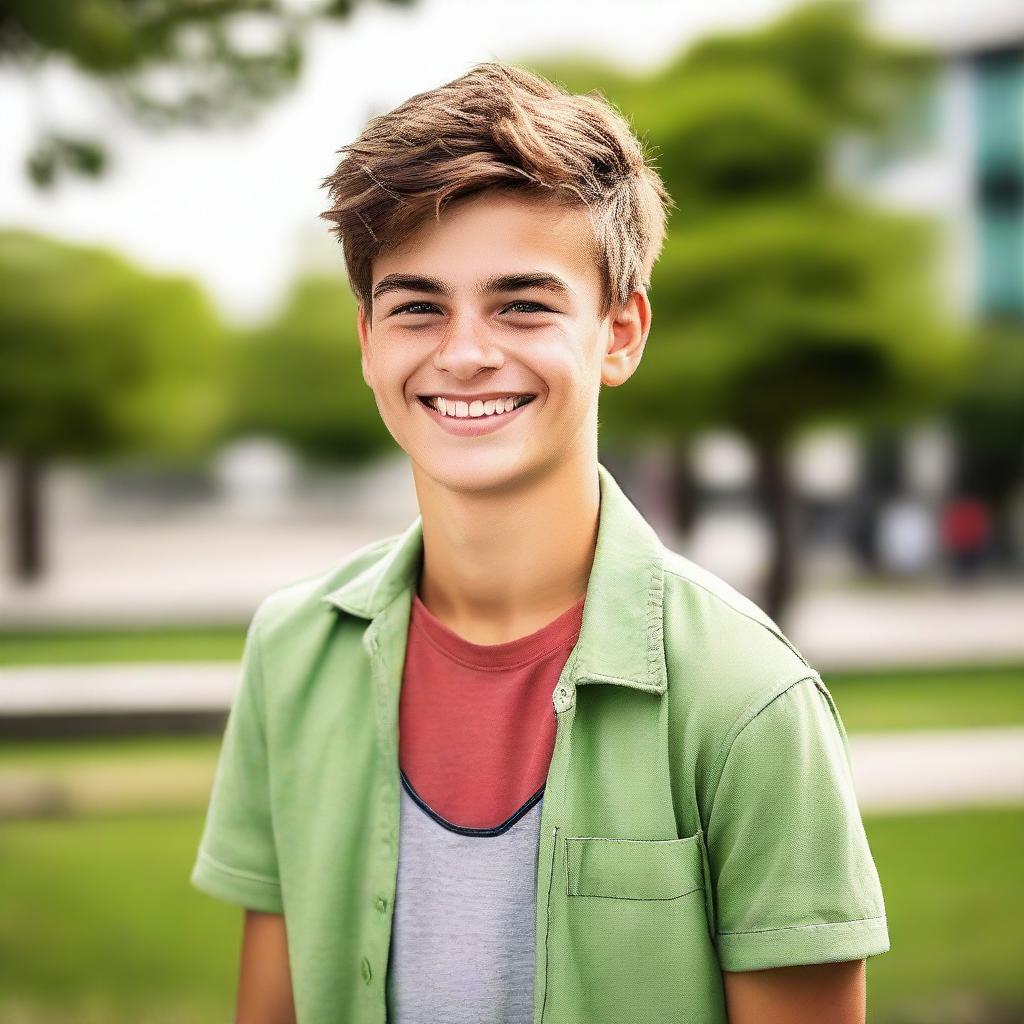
853, 628
904, 771
117, 688
119, 563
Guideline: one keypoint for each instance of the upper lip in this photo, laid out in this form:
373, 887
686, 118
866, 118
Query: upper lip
484, 396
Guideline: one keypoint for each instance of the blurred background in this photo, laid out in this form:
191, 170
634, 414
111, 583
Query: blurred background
829, 415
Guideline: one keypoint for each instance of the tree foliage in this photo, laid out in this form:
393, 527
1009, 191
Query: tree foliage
162, 62
101, 358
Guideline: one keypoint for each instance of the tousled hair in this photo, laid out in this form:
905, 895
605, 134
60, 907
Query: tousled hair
500, 126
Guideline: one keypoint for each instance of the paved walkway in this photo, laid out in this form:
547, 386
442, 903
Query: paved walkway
118, 564
117, 688
896, 772
851, 628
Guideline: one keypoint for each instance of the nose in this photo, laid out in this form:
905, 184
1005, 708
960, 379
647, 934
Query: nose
465, 346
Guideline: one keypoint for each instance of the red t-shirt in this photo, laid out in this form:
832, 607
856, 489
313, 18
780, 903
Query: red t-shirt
476, 722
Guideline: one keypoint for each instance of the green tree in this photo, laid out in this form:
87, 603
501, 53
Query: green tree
163, 63
299, 378
987, 417
99, 360
781, 300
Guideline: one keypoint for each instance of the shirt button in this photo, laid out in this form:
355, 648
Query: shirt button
382, 904
367, 973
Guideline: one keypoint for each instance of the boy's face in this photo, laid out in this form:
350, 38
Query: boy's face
449, 334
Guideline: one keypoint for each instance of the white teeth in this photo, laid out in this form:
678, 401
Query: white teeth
477, 408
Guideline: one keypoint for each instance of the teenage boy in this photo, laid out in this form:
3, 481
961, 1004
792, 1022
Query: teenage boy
521, 762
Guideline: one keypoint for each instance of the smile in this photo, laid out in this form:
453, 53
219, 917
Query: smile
471, 426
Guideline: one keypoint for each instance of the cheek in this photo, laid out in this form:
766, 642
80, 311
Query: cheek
392, 376
566, 371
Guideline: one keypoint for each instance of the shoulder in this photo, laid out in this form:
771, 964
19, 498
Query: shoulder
286, 640
727, 616
727, 659
301, 602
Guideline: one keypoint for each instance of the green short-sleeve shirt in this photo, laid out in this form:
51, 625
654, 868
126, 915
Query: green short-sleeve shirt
699, 813
795, 880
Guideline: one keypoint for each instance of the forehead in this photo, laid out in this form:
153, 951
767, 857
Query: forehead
494, 232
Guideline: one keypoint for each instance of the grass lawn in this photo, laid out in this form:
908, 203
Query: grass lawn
100, 925
72, 753
954, 902
217, 643
955, 698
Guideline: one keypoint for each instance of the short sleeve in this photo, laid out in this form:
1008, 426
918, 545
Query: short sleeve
236, 860
793, 877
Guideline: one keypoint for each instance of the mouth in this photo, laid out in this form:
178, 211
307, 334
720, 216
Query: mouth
429, 402
475, 426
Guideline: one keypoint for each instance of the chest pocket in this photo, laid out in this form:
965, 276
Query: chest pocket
638, 944
633, 869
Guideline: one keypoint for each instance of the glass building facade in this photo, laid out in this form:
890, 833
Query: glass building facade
999, 150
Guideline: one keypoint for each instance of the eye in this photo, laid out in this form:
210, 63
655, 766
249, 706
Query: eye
409, 307
420, 306
537, 307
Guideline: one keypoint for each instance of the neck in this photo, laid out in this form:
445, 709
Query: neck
497, 566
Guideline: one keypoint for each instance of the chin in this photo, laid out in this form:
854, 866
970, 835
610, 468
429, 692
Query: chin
470, 474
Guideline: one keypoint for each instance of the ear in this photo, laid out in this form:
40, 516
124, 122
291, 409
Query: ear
363, 330
628, 327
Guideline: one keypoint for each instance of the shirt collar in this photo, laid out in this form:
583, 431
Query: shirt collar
621, 637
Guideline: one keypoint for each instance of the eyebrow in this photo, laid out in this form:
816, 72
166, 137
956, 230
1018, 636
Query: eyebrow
497, 283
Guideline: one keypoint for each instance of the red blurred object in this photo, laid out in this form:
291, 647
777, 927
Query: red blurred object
966, 524
965, 529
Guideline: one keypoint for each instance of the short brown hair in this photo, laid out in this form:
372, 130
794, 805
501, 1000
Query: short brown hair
500, 126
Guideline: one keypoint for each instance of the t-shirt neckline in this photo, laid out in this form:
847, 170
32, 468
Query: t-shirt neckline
509, 654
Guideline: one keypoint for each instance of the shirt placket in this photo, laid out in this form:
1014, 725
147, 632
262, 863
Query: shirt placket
384, 641
563, 699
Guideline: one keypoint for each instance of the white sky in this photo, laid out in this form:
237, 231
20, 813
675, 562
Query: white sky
238, 209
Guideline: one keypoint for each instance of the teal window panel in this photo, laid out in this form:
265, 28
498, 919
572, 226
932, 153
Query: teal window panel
1001, 288
1000, 113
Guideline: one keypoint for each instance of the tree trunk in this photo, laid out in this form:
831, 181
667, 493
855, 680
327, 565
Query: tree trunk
26, 517
779, 507
685, 500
